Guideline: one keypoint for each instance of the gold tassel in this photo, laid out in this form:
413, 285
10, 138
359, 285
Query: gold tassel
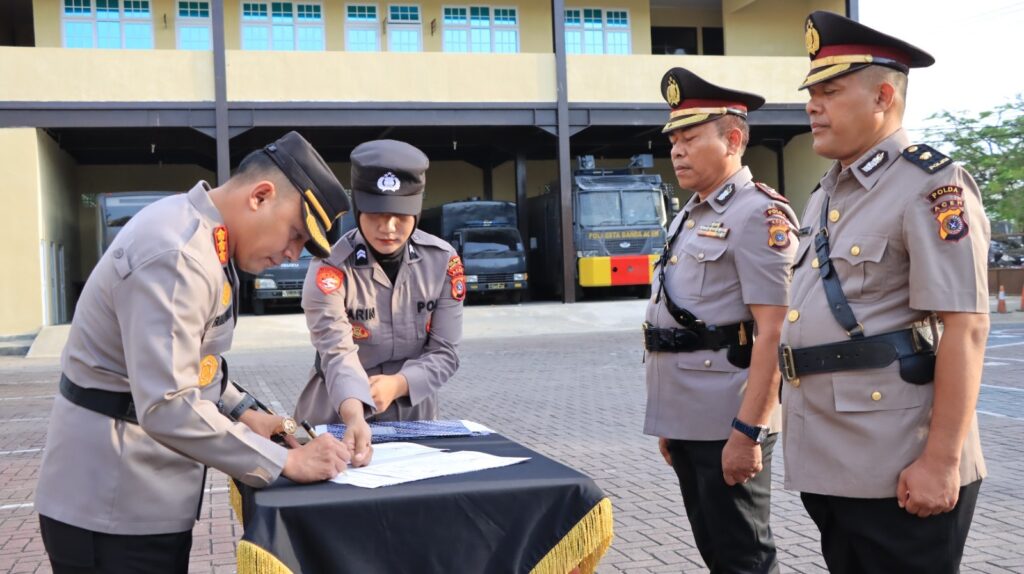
254, 560
236, 499
584, 545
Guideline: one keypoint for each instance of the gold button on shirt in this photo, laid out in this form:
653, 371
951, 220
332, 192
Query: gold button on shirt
793, 315
876, 396
833, 215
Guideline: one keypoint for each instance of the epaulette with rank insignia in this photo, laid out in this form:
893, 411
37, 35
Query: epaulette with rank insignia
926, 157
767, 190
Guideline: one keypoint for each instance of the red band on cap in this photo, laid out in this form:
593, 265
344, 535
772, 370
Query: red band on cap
861, 49
698, 103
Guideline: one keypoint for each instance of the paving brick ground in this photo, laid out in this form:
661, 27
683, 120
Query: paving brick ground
578, 399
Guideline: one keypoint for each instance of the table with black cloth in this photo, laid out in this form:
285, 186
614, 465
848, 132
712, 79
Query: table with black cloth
537, 516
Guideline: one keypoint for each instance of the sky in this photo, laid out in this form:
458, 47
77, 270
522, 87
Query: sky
977, 45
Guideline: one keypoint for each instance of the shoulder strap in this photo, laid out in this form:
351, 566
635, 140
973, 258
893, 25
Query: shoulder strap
837, 302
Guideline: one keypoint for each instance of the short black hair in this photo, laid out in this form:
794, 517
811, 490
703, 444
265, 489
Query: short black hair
256, 162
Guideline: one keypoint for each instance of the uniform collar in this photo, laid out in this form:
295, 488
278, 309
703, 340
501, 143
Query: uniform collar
868, 168
199, 197
722, 197
362, 257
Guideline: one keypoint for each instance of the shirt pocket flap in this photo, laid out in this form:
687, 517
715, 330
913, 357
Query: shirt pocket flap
711, 361
857, 250
801, 251
877, 390
705, 249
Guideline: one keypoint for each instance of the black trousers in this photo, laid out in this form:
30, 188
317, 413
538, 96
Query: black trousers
869, 535
75, 550
730, 523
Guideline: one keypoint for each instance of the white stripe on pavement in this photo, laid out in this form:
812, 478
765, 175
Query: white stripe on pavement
22, 451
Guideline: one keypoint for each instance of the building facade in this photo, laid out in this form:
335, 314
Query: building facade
153, 95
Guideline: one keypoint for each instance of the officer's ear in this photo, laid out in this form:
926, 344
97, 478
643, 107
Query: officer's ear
885, 96
261, 193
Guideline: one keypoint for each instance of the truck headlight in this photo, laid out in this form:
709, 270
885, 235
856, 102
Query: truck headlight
519, 276
265, 283
470, 278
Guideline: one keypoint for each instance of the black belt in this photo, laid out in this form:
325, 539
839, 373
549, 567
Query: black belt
113, 404
700, 338
915, 354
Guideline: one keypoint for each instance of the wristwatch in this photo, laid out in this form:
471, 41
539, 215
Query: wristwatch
756, 433
289, 426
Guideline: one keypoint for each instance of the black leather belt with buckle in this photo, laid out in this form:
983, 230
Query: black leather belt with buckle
915, 354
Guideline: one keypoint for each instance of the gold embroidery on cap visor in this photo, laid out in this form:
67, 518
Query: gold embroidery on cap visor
319, 210
825, 68
692, 116
315, 234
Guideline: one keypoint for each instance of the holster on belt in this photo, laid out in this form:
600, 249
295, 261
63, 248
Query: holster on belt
737, 337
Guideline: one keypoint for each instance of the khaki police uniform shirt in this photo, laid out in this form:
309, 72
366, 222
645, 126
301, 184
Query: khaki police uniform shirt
153, 319
851, 433
362, 325
734, 251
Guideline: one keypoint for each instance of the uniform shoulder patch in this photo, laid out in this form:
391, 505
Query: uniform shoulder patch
926, 157
767, 190
329, 279
457, 273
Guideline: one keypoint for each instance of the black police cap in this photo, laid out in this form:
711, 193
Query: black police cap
388, 176
838, 46
695, 101
324, 198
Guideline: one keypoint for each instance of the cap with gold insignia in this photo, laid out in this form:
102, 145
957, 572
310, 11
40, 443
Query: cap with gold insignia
695, 101
388, 176
838, 46
324, 198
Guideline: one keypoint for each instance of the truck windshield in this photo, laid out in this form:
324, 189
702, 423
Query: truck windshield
491, 242
599, 208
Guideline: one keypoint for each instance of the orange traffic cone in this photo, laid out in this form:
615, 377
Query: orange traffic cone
1001, 307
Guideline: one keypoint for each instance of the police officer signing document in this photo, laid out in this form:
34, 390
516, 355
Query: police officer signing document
384, 309
713, 326
881, 436
144, 402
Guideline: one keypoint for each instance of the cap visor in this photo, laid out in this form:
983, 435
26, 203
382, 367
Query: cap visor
827, 73
317, 244
400, 204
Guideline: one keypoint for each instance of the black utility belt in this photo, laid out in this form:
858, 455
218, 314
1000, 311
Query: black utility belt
915, 354
738, 337
110, 403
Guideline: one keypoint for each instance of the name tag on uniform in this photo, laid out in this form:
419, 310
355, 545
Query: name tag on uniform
715, 230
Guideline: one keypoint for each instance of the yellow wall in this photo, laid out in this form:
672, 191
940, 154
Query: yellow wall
58, 74
252, 76
20, 292
93, 179
763, 165
59, 209
686, 17
770, 27
804, 169
637, 78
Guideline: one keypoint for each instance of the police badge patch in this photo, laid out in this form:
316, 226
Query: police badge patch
458, 288
220, 241
360, 332
207, 370
952, 221
778, 233
329, 279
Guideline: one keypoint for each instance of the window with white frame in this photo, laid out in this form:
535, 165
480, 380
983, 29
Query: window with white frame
480, 29
362, 28
405, 28
193, 26
282, 26
597, 31
107, 24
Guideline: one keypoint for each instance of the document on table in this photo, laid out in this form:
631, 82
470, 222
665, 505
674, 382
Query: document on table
401, 462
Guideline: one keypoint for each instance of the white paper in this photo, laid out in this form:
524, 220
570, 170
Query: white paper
401, 462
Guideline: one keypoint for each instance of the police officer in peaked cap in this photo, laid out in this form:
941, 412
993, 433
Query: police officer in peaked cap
144, 404
384, 309
713, 323
881, 436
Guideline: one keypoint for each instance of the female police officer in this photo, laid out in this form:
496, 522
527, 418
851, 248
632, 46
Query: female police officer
385, 309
